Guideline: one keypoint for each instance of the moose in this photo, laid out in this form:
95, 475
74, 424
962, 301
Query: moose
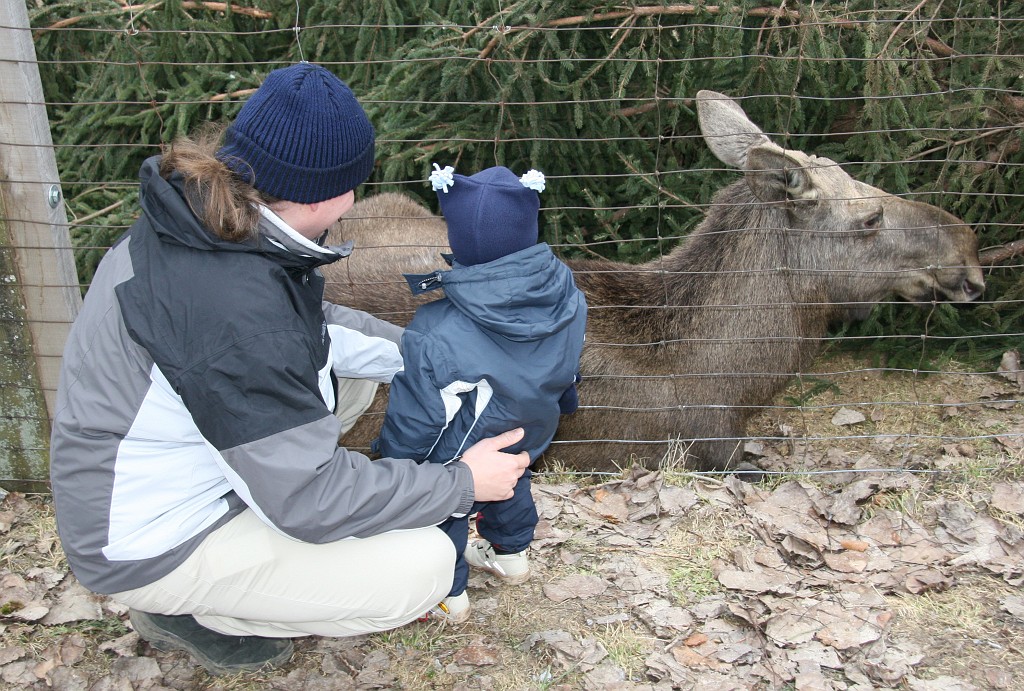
683, 350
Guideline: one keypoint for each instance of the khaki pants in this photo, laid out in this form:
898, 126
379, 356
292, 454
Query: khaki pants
248, 579
354, 397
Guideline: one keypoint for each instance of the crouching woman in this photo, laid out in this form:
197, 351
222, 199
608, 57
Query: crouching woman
194, 459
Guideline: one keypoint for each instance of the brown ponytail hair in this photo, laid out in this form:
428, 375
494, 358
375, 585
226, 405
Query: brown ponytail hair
223, 201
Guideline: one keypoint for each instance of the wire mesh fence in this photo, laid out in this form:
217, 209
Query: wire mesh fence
922, 101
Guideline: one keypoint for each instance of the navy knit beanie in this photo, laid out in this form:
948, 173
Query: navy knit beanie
302, 137
491, 214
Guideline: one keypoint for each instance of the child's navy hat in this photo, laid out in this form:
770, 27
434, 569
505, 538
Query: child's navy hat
491, 214
302, 137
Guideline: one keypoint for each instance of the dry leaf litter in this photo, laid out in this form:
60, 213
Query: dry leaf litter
889, 577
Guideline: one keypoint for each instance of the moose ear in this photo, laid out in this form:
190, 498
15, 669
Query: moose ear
775, 176
727, 130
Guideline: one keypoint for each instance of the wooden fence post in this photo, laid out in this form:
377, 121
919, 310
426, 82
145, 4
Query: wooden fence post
33, 208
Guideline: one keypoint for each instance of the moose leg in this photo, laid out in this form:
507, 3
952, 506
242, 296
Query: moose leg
720, 447
367, 427
723, 456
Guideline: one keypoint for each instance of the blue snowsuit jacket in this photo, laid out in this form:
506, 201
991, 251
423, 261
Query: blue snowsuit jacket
498, 352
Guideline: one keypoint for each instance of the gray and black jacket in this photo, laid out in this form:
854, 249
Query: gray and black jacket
198, 380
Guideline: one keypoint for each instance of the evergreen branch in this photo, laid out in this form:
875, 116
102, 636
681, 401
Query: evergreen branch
773, 12
253, 12
994, 255
937, 46
233, 94
899, 26
489, 22
646, 11
644, 108
997, 155
96, 214
627, 26
139, 62
651, 105
633, 13
968, 140
71, 21
658, 188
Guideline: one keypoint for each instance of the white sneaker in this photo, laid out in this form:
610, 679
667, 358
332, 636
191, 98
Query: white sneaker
453, 609
510, 568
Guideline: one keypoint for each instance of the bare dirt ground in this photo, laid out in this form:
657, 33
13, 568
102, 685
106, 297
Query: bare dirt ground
902, 571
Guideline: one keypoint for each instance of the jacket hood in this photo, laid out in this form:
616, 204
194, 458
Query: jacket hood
171, 217
523, 296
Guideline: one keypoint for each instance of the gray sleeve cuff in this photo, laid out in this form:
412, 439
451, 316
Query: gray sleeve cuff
465, 476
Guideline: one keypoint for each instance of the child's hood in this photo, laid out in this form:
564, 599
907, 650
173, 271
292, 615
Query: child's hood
523, 296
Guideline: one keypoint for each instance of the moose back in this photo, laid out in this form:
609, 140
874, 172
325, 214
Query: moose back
682, 351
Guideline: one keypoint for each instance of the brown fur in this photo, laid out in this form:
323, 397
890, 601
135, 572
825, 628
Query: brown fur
690, 346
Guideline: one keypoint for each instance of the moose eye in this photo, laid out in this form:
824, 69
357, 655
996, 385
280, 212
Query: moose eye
873, 222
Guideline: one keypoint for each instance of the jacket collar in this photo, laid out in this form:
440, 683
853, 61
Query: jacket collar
173, 220
276, 231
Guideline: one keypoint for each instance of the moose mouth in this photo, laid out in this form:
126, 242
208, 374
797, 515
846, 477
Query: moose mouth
962, 288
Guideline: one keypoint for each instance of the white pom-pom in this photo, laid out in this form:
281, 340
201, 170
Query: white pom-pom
533, 179
442, 178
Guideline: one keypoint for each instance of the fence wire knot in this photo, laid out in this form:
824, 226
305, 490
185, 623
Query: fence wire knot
131, 30
297, 29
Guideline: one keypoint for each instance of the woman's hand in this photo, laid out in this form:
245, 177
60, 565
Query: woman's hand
495, 473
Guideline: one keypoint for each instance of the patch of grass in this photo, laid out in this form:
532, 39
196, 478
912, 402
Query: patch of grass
1014, 468
40, 642
675, 457
416, 651
32, 542
556, 472
546, 679
704, 537
978, 430
963, 630
242, 681
805, 389
968, 478
685, 478
691, 582
98, 629
961, 613
423, 637
909, 424
10, 607
773, 481
625, 468
541, 676
909, 501
626, 648
1006, 518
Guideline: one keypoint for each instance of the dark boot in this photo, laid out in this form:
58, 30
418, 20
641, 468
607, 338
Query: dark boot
217, 652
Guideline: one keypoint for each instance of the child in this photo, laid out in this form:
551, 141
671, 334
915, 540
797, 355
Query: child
500, 350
